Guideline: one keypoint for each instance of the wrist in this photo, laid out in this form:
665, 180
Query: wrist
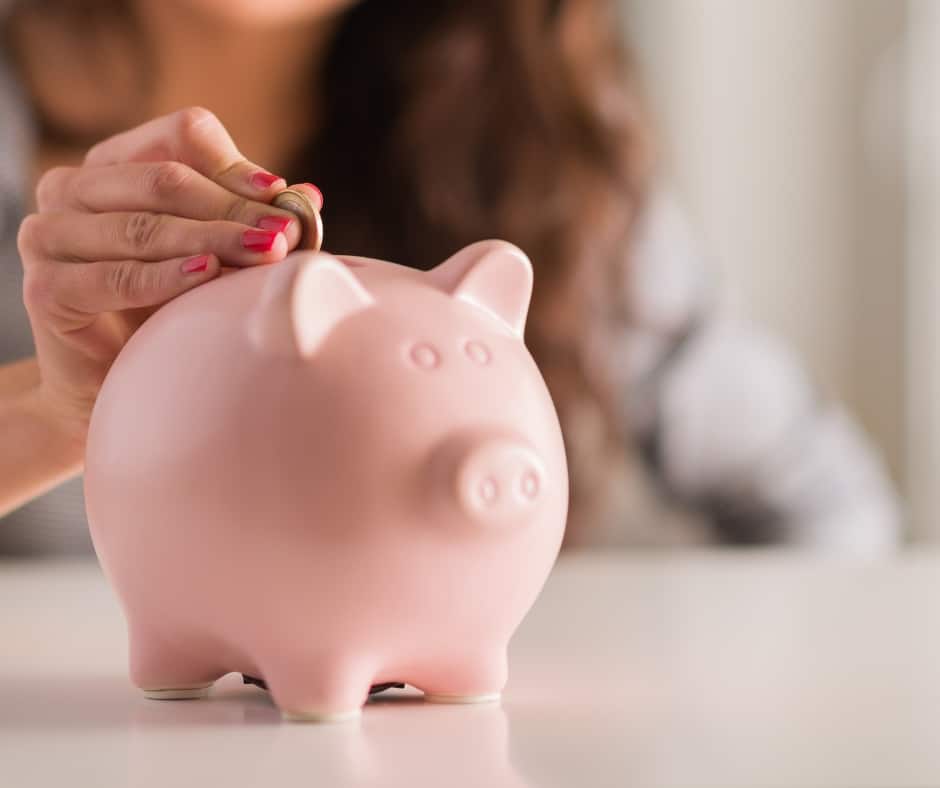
39, 448
62, 434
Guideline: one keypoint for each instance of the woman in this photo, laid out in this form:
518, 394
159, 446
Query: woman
429, 126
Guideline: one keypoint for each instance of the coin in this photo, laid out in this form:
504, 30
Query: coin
311, 225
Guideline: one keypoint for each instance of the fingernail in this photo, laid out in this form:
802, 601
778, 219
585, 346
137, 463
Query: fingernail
319, 193
278, 224
259, 240
195, 264
264, 180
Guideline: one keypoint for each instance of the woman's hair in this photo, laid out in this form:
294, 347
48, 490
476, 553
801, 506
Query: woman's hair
442, 123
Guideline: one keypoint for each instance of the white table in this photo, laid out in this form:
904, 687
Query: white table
743, 669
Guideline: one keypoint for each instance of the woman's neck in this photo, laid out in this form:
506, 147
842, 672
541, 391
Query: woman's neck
260, 82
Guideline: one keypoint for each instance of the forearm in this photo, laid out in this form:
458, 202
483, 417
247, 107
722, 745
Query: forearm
36, 454
18, 377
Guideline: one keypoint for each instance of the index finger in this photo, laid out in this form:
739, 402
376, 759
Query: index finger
195, 137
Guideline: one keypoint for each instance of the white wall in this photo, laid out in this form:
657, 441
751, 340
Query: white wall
782, 129
923, 371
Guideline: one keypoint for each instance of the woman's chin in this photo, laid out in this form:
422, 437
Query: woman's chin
267, 12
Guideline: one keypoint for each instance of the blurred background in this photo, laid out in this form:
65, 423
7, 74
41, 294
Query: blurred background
803, 138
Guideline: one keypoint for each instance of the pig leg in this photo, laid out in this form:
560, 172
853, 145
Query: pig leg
317, 688
465, 678
168, 668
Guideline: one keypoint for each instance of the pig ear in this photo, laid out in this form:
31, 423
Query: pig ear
493, 275
303, 301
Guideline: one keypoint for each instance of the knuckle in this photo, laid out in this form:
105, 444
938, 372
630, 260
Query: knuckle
93, 152
194, 122
237, 210
38, 288
142, 230
124, 280
27, 238
99, 152
166, 178
51, 185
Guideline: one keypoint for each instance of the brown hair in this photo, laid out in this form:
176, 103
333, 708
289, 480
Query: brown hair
449, 122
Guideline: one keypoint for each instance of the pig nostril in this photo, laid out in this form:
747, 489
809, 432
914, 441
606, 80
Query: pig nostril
477, 352
498, 481
425, 356
489, 491
529, 484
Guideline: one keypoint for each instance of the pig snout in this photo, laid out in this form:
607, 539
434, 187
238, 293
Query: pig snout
497, 479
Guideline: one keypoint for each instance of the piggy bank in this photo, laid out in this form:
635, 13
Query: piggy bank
330, 473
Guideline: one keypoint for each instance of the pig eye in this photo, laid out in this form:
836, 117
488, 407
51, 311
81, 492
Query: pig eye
424, 356
477, 352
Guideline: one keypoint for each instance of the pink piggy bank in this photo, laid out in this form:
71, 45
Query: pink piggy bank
330, 474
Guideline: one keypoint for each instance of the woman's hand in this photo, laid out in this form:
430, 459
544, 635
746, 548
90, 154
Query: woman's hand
151, 213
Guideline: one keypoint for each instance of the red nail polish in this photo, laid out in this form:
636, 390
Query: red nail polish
318, 192
264, 180
196, 264
278, 224
259, 240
